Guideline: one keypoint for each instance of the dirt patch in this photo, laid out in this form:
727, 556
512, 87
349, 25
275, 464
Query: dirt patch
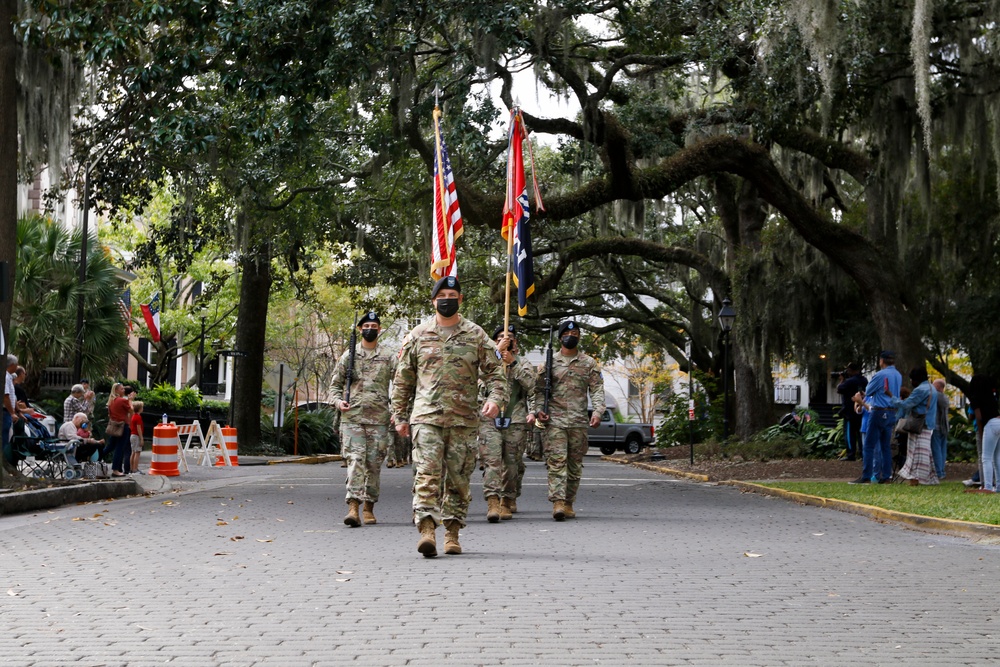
677, 458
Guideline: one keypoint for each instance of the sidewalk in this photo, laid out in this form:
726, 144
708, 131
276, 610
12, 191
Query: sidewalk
195, 476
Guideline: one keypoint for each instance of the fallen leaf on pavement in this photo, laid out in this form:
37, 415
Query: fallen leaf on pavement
12, 592
260, 540
223, 553
345, 572
221, 523
235, 538
750, 554
168, 502
343, 579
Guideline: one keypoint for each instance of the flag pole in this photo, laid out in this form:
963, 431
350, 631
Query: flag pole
439, 180
515, 115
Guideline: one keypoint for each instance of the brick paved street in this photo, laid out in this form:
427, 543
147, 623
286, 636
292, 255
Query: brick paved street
255, 567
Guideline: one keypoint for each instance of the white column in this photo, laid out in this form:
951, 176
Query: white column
229, 378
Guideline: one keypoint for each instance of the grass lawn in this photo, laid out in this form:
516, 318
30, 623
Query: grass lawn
946, 501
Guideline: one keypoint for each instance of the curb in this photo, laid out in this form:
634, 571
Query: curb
918, 521
915, 521
667, 471
320, 458
41, 499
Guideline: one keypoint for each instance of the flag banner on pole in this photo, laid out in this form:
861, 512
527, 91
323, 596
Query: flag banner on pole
516, 212
125, 308
447, 225
151, 313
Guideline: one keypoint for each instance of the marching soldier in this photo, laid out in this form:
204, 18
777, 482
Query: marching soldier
364, 421
502, 440
574, 375
440, 364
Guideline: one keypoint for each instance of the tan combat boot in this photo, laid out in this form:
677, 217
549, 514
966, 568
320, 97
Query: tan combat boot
369, 512
512, 505
427, 544
451, 545
492, 509
352, 519
505, 513
568, 510
559, 510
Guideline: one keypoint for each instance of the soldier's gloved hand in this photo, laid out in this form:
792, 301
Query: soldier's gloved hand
403, 430
542, 416
490, 409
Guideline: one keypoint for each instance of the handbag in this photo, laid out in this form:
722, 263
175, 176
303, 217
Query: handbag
914, 423
115, 428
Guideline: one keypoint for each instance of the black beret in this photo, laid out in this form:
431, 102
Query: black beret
499, 330
888, 355
448, 282
568, 325
370, 316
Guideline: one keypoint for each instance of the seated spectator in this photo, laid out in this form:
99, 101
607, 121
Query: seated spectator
79, 429
23, 404
79, 400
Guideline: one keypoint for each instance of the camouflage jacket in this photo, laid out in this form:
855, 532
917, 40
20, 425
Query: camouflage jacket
572, 377
439, 371
520, 392
373, 371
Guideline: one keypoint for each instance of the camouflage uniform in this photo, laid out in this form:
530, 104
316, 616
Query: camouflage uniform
502, 450
438, 374
364, 428
565, 439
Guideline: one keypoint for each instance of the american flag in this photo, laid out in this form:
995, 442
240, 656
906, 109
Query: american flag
447, 216
125, 308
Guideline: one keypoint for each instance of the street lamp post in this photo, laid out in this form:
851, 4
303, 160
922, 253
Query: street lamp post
726, 318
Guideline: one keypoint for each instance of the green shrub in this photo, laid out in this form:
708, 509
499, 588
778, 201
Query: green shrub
165, 398
675, 429
316, 433
216, 406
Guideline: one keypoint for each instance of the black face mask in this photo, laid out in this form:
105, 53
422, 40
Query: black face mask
569, 342
369, 334
446, 307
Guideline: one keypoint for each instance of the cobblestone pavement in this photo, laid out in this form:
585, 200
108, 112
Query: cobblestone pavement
254, 567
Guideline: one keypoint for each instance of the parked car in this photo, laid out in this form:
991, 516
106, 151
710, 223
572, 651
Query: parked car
611, 436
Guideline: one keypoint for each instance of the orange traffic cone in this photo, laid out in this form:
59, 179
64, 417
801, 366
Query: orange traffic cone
230, 446
166, 448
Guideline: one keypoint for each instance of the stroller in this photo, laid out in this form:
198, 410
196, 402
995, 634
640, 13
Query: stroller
37, 454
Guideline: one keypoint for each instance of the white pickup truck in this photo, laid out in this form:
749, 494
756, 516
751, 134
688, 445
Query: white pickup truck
611, 436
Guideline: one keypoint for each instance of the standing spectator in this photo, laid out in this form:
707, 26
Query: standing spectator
440, 364
10, 415
119, 412
574, 376
983, 401
852, 381
364, 421
939, 440
922, 401
135, 436
79, 400
877, 449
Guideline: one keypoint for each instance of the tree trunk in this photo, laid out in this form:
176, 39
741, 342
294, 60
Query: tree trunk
8, 155
743, 214
251, 330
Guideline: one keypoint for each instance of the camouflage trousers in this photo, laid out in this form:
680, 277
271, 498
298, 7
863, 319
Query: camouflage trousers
399, 451
502, 454
364, 447
443, 460
564, 452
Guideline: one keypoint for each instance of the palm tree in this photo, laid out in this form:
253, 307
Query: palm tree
46, 290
